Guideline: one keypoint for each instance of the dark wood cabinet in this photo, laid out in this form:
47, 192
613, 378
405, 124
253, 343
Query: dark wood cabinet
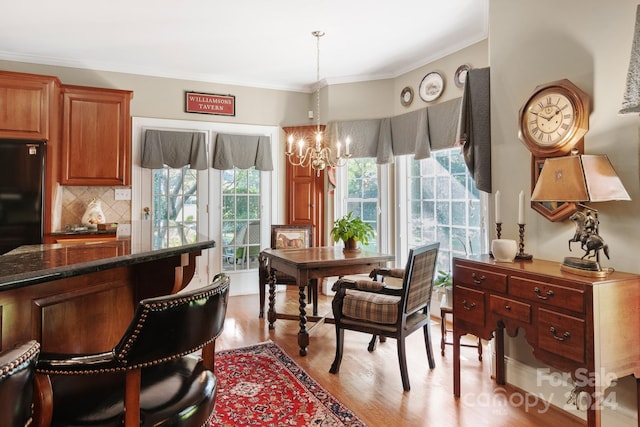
27, 105
305, 191
96, 136
573, 323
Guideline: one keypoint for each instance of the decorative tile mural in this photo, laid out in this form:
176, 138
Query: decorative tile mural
76, 199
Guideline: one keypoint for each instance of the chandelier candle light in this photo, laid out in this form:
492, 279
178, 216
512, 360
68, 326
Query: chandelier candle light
318, 156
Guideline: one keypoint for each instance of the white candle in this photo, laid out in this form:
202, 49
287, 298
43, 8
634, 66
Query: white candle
300, 147
498, 213
346, 150
338, 147
290, 141
521, 207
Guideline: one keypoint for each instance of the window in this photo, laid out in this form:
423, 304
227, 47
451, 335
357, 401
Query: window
443, 205
175, 206
240, 219
362, 193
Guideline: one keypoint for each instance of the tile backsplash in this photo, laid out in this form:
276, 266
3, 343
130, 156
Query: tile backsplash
76, 199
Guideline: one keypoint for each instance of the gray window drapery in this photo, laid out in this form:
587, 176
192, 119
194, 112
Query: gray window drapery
175, 149
475, 127
242, 152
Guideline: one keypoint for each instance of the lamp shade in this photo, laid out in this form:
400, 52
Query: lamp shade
578, 178
631, 100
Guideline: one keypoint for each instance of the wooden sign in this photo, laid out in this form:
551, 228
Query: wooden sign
209, 103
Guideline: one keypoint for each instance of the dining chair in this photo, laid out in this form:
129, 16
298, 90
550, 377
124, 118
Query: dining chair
287, 237
385, 311
154, 375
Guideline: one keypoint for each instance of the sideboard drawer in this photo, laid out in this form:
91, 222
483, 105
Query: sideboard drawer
553, 295
510, 308
468, 305
476, 277
561, 334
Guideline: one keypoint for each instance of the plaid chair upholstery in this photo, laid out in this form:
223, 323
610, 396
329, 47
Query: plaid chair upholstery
384, 311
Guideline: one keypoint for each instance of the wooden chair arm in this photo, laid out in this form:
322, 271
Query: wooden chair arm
386, 272
42, 401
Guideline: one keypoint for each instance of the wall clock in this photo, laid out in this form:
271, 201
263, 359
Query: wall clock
554, 118
552, 122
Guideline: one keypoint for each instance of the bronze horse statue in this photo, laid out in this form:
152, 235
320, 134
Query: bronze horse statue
587, 235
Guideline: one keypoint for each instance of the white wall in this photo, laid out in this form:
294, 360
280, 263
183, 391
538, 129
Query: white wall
588, 42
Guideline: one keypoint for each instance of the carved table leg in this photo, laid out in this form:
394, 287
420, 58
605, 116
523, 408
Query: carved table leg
303, 335
271, 314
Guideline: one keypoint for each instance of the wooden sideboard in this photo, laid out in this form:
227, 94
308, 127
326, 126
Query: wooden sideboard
588, 327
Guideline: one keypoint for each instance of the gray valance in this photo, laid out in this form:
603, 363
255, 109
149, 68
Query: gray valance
242, 152
364, 136
475, 127
175, 149
443, 124
407, 134
417, 132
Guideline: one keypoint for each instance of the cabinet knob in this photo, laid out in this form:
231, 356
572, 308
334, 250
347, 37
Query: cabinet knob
507, 307
539, 295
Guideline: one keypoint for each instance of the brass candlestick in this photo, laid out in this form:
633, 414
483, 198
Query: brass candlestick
521, 254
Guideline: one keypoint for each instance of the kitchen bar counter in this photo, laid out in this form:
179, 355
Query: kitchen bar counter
79, 298
28, 265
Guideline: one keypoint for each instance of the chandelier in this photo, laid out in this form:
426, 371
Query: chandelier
317, 154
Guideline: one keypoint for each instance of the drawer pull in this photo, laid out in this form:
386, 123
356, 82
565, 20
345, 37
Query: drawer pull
468, 307
477, 280
507, 307
537, 291
564, 336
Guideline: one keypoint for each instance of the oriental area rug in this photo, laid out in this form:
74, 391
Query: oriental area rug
260, 385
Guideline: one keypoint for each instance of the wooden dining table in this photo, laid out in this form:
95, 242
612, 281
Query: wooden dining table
309, 264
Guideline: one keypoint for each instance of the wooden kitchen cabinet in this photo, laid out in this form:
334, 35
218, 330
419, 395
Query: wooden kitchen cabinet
96, 136
576, 324
28, 104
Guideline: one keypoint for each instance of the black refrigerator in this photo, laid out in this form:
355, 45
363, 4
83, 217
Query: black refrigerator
22, 166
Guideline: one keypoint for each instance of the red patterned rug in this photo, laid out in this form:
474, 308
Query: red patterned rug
261, 386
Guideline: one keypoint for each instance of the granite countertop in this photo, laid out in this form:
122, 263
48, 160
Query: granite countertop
32, 264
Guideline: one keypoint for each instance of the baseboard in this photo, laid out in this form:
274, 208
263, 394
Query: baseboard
550, 386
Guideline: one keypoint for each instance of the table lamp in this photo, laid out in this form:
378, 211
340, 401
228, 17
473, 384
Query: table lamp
581, 178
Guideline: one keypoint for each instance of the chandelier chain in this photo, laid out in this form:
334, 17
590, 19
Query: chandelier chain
319, 156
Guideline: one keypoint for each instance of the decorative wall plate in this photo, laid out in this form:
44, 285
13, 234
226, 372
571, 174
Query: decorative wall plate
431, 87
461, 75
406, 96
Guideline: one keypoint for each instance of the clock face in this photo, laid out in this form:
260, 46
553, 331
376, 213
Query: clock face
554, 119
550, 117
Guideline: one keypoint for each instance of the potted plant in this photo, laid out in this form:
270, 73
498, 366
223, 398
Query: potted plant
351, 230
444, 283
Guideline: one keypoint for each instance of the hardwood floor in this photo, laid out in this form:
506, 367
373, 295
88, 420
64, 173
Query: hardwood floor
369, 383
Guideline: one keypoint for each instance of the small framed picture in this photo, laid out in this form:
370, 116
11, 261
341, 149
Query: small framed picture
290, 236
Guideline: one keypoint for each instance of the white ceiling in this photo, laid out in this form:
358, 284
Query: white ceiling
259, 43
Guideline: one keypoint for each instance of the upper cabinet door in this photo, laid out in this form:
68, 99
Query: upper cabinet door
27, 102
96, 136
